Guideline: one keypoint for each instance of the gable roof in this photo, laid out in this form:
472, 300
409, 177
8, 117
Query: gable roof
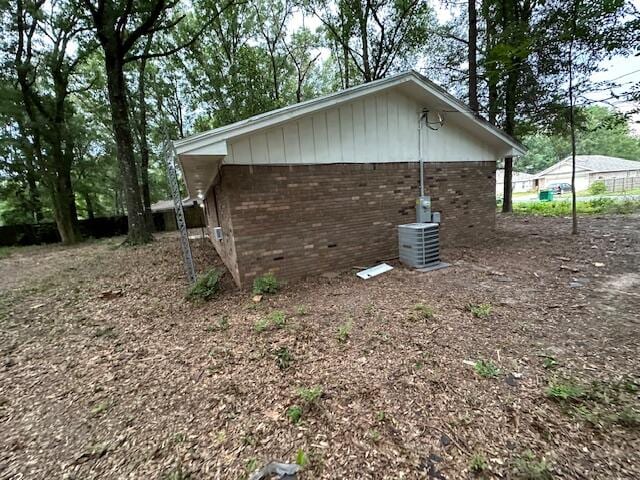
596, 163
213, 142
516, 176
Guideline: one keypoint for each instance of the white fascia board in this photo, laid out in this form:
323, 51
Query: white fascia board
202, 147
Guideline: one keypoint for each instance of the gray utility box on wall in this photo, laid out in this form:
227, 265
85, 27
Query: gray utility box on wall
419, 244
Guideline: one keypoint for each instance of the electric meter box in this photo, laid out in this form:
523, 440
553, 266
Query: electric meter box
423, 209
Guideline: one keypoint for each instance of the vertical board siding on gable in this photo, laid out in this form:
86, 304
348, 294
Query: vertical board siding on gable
378, 128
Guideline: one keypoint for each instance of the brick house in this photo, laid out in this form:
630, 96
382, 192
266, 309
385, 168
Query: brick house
322, 185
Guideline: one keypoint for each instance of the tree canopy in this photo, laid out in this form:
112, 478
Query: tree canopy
89, 89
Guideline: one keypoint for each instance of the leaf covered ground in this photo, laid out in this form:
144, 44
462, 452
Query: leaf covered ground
518, 361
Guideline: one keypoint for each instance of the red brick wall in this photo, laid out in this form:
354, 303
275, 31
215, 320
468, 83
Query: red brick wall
299, 220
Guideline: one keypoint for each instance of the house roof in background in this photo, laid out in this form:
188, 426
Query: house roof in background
596, 163
190, 145
516, 177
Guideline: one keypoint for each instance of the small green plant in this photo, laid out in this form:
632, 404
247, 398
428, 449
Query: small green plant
266, 284
177, 473
380, 416
482, 310
262, 324
283, 358
528, 467
486, 369
278, 318
565, 391
294, 413
301, 311
375, 435
478, 463
101, 407
597, 188
252, 465
344, 331
106, 332
628, 417
206, 287
310, 394
223, 322
301, 458
549, 363
424, 311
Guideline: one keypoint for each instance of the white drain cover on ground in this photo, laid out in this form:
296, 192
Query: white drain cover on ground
373, 271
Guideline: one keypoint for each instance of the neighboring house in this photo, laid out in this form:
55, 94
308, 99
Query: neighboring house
589, 168
165, 208
520, 182
322, 185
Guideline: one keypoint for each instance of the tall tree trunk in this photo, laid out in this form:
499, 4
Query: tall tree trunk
65, 212
138, 231
91, 214
142, 134
509, 128
572, 124
472, 57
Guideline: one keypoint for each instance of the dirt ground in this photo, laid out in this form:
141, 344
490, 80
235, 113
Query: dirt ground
108, 372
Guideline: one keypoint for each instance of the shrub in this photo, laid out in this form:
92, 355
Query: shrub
597, 188
595, 206
266, 284
206, 287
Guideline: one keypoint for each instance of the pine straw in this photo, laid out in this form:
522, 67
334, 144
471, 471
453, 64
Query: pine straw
108, 372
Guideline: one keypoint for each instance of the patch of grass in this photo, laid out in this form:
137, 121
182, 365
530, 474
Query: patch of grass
223, 322
628, 417
277, 318
344, 331
528, 467
478, 463
177, 473
565, 391
283, 358
486, 369
301, 310
267, 283
310, 394
106, 332
482, 310
206, 287
424, 311
262, 324
596, 206
375, 435
294, 413
301, 458
6, 251
381, 416
251, 465
100, 408
549, 363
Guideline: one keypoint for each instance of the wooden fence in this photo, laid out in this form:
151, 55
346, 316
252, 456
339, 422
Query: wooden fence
621, 184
